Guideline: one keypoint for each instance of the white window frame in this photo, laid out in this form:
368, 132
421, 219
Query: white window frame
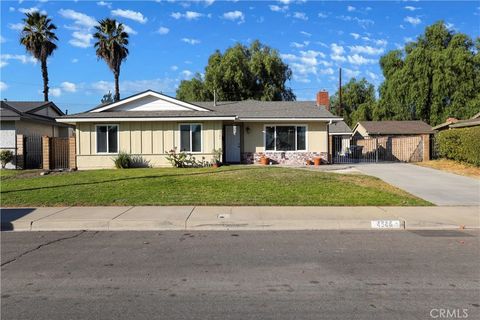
118, 138
180, 137
275, 137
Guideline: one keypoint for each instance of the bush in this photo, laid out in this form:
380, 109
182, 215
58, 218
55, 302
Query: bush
184, 160
125, 160
460, 144
5, 157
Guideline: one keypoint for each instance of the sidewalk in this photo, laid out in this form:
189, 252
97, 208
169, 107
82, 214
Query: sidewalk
235, 218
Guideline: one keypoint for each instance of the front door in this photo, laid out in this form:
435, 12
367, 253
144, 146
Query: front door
232, 144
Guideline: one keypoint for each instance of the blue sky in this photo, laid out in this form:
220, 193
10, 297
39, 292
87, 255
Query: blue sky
171, 40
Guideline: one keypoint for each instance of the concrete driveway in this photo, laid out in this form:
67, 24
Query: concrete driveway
438, 187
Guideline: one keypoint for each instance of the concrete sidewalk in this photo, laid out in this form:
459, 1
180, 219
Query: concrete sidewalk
235, 218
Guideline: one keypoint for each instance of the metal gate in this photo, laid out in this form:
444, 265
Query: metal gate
385, 148
59, 153
33, 152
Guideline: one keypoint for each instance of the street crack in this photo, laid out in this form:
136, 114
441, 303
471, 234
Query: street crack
41, 246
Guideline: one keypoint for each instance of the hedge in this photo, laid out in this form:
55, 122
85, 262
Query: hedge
461, 144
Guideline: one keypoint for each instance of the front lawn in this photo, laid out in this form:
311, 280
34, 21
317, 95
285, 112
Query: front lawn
229, 185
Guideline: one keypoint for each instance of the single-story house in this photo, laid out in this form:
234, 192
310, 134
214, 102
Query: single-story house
150, 124
371, 129
29, 118
453, 123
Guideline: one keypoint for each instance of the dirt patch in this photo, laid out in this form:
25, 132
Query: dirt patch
463, 169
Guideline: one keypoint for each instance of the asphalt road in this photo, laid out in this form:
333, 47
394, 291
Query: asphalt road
240, 275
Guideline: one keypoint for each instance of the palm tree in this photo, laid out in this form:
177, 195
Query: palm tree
39, 39
111, 46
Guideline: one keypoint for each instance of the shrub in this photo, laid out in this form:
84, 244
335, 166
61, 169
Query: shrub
184, 160
5, 157
125, 160
461, 144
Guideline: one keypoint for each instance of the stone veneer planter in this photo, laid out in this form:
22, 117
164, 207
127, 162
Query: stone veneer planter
287, 158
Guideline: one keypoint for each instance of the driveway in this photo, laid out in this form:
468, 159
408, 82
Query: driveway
438, 187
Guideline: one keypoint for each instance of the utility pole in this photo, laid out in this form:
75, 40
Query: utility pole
340, 89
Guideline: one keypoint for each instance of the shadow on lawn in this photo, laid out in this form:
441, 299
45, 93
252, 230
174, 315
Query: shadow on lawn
131, 178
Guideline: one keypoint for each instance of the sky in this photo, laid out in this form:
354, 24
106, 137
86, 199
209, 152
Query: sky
172, 40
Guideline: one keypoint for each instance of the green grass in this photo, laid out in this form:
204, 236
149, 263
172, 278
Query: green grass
234, 185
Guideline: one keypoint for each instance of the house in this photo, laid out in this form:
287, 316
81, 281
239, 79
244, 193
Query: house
340, 134
453, 123
371, 129
31, 119
150, 124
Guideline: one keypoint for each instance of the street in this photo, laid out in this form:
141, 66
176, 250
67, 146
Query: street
240, 274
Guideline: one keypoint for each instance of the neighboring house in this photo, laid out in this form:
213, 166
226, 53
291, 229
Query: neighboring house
453, 123
30, 118
150, 124
370, 129
340, 134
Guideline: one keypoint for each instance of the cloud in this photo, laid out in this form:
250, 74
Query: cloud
174, 68
364, 23
337, 53
366, 50
24, 59
307, 34
105, 4
80, 19
191, 41
305, 64
2, 39
322, 15
163, 30
130, 14
300, 15
68, 86
299, 45
167, 85
189, 15
11, 9
285, 1
413, 20
81, 39
16, 26
372, 75
234, 16
3, 86
351, 73
359, 60
129, 29
74, 60
31, 10
55, 92
355, 35
351, 8
276, 8
187, 74
411, 8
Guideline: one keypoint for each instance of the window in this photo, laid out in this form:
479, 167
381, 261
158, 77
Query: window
191, 137
285, 138
107, 138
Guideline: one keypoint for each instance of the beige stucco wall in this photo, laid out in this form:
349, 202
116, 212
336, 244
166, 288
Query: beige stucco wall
149, 139
317, 138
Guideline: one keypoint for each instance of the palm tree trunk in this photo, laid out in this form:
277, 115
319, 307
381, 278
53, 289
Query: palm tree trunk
116, 97
45, 79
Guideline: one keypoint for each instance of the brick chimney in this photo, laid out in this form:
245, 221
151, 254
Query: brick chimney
323, 100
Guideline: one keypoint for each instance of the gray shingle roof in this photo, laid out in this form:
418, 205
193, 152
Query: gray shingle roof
24, 110
396, 127
241, 109
339, 127
25, 106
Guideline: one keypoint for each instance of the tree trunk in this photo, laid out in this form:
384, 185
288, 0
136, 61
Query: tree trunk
45, 79
116, 97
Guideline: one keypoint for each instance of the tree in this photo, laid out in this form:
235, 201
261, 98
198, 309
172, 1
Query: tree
111, 46
255, 72
107, 98
39, 38
358, 101
433, 78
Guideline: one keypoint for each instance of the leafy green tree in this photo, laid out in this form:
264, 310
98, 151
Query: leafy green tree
358, 101
107, 98
255, 72
433, 78
111, 46
39, 38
